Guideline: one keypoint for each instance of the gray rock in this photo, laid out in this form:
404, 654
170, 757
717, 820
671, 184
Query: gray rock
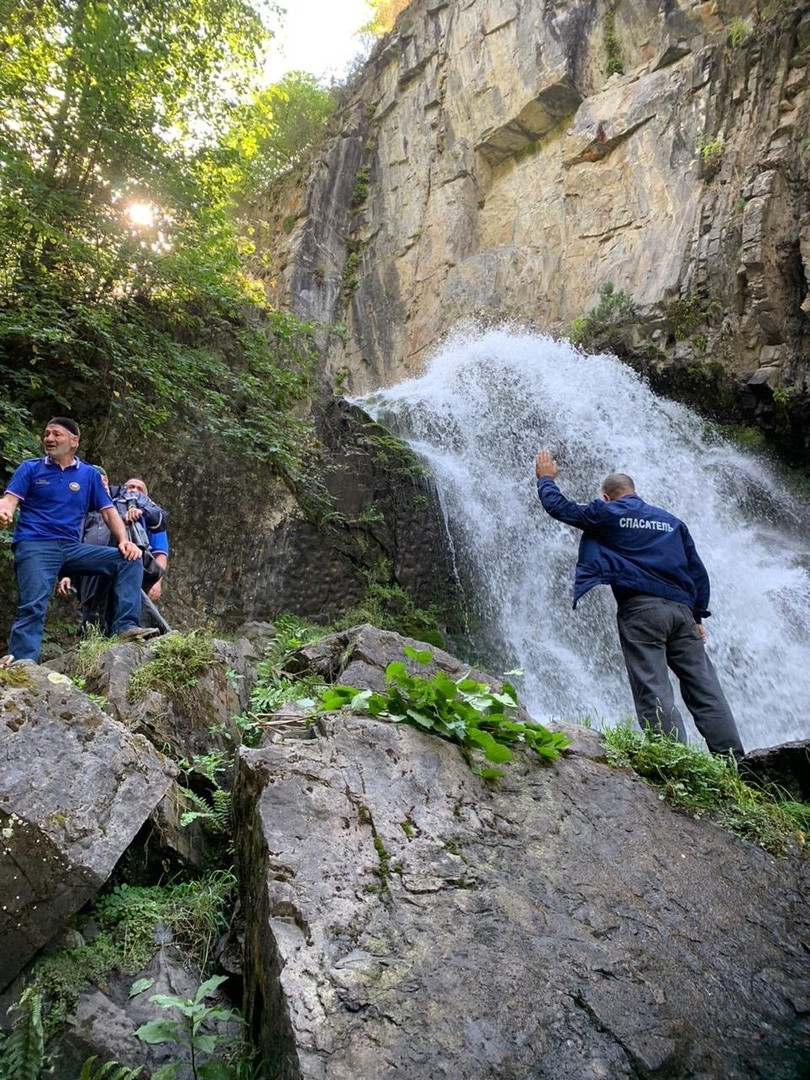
76, 787
786, 766
104, 1023
407, 918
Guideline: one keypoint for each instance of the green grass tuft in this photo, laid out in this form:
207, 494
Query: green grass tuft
173, 670
700, 783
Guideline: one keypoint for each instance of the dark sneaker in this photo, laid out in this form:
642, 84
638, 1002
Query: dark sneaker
137, 633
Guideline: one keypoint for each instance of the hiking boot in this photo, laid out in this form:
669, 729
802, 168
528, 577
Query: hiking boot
6, 661
137, 633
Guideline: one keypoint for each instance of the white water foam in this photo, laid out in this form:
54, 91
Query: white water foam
487, 402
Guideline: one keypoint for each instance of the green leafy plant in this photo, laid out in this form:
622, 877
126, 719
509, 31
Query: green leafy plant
110, 1070
739, 32
361, 187
613, 52
133, 921
387, 606
701, 783
214, 811
462, 710
711, 153
273, 686
614, 310
688, 314
189, 1030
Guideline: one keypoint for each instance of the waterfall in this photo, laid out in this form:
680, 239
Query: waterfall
486, 403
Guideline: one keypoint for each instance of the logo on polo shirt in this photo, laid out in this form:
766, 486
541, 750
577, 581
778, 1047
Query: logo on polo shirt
74, 486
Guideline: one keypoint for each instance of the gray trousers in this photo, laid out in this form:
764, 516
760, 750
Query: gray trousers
656, 635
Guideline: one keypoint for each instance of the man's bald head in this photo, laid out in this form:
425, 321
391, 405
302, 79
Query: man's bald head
616, 485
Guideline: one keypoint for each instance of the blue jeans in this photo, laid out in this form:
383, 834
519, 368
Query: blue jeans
37, 564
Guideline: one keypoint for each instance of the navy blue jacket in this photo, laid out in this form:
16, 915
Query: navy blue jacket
633, 547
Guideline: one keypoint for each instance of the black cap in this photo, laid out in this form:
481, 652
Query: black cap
65, 422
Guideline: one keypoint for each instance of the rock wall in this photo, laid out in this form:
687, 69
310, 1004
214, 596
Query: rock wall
489, 165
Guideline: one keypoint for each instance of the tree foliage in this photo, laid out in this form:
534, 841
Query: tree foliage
384, 15
122, 299
276, 128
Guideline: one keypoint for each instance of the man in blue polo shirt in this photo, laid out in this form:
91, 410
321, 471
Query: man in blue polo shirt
649, 559
53, 494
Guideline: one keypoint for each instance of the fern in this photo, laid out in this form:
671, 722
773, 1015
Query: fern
216, 812
22, 1055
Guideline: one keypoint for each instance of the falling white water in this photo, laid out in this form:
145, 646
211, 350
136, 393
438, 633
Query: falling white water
487, 402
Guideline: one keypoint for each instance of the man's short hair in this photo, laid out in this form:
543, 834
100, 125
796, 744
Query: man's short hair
65, 422
618, 483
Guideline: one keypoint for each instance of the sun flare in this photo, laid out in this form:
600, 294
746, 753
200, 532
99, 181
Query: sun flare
141, 214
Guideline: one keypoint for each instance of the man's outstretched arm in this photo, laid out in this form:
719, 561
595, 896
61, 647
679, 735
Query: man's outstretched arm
555, 503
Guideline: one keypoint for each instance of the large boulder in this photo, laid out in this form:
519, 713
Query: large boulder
76, 786
786, 766
195, 721
406, 917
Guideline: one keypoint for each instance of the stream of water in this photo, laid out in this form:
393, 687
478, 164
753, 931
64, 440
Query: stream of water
486, 403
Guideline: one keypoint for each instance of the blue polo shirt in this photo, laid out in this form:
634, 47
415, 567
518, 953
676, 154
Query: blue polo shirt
159, 542
53, 500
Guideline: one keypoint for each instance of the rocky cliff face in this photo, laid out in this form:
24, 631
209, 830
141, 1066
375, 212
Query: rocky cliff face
400, 916
508, 159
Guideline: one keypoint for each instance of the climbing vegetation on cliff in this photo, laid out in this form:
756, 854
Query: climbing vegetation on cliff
702, 784
614, 64
461, 710
602, 325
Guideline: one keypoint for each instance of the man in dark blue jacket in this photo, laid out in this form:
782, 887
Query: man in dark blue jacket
648, 558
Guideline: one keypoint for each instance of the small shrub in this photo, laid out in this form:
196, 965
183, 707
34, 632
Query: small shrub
613, 53
389, 607
173, 670
739, 32
614, 309
361, 187
351, 267
463, 711
711, 154
189, 1030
